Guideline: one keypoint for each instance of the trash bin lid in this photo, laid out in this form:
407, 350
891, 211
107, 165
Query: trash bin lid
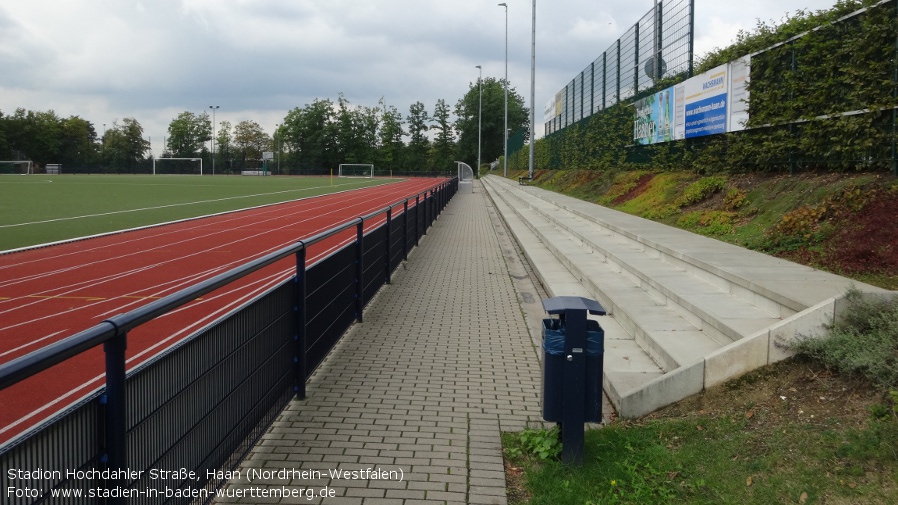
559, 304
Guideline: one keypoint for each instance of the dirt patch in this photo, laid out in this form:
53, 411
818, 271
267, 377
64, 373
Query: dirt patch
797, 390
635, 191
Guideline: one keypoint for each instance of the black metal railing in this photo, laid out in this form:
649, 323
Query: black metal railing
163, 432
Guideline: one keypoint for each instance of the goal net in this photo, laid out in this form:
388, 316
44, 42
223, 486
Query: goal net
16, 167
177, 166
356, 170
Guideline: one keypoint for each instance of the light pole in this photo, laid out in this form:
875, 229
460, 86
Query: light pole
213, 137
479, 114
505, 145
532, 87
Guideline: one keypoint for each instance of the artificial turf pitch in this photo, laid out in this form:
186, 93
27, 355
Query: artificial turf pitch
41, 209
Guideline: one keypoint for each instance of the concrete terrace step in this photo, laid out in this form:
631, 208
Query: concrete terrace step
686, 311
705, 301
676, 317
627, 365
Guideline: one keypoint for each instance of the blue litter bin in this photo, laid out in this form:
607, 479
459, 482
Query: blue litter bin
554, 359
573, 351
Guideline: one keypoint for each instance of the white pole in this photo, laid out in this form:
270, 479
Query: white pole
505, 145
479, 114
213, 137
532, 87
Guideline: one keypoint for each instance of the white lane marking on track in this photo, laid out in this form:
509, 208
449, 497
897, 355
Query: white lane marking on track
33, 342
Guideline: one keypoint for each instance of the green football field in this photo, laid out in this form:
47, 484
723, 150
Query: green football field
38, 209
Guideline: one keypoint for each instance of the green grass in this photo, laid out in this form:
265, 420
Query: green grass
39, 209
701, 460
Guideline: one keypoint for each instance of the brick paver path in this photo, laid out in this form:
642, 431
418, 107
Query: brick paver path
414, 399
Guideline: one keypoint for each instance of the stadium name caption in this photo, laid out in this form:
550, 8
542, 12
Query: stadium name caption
182, 474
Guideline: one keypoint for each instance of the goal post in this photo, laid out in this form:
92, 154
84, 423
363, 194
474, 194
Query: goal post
178, 166
21, 167
365, 170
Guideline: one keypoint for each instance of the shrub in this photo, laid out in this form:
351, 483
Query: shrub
864, 342
701, 189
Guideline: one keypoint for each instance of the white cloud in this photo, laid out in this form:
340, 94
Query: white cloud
258, 59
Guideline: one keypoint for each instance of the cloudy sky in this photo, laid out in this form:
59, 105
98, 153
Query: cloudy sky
105, 60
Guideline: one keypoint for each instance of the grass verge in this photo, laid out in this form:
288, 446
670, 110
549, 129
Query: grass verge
806, 430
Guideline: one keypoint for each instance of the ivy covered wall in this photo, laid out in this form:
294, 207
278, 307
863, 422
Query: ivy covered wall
823, 92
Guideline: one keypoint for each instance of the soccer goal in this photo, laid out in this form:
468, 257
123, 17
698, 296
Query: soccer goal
16, 167
178, 166
365, 170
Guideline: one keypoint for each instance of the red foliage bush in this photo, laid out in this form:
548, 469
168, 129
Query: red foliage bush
867, 241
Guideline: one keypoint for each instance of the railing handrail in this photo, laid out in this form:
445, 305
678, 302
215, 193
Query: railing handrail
41, 359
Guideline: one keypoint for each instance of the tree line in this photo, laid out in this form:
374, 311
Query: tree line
316, 137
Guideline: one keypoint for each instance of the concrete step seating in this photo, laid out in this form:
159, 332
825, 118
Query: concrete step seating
674, 298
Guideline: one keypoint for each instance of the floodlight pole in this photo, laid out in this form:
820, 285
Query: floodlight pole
532, 88
213, 137
505, 143
479, 115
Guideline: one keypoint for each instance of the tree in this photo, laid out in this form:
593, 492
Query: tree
418, 144
307, 133
78, 142
444, 142
223, 141
356, 132
5, 151
124, 146
34, 135
188, 134
390, 137
492, 120
250, 141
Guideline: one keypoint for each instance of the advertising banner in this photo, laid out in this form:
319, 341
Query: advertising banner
705, 103
739, 72
654, 118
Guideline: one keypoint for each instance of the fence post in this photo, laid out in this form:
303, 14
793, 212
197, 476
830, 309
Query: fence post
299, 337
417, 219
359, 270
116, 450
389, 246
405, 230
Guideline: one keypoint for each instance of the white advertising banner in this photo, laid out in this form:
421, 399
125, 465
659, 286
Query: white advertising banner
705, 103
739, 74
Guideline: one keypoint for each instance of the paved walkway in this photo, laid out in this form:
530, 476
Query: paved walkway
414, 399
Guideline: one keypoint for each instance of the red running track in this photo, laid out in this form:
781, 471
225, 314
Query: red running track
51, 293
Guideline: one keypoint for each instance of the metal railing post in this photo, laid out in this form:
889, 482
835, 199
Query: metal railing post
389, 245
115, 437
300, 330
359, 270
405, 230
417, 219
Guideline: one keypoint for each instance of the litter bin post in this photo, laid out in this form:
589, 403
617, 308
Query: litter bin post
572, 313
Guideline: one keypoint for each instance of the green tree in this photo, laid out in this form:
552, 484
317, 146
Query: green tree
250, 141
5, 151
223, 140
356, 132
124, 147
188, 134
78, 142
390, 135
444, 142
34, 135
418, 145
308, 135
492, 121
